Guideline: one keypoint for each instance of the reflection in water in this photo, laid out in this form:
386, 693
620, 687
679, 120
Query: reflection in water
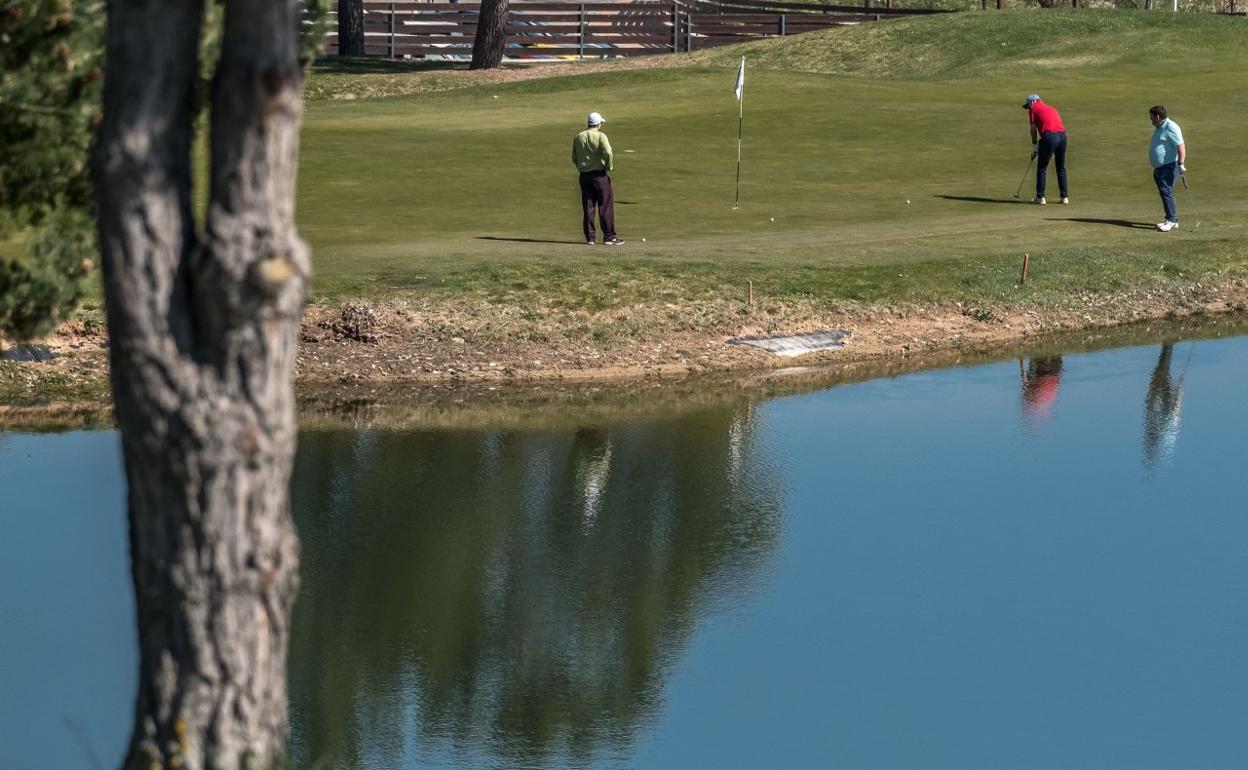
593, 450
512, 595
504, 597
1162, 405
1040, 380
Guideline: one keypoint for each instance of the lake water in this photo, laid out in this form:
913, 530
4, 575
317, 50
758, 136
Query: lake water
1025, 564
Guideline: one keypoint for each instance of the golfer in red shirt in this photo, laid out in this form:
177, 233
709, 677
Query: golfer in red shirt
1048, 140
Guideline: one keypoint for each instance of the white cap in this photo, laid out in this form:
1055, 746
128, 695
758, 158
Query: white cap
595, 118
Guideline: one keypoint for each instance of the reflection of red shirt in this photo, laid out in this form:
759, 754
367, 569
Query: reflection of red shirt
1045, 118
1042, 390
1040, 384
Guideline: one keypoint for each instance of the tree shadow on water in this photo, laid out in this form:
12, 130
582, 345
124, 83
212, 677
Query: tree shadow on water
1113, 222
978, 199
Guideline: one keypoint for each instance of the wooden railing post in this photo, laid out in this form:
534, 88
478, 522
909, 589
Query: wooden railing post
584, 26
689, 31
782, 32
392, 31
675, 27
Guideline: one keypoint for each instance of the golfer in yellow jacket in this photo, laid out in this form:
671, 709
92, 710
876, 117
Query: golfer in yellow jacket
591, 152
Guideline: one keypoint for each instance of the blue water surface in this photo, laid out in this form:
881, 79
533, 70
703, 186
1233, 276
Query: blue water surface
68, 653
1026, 564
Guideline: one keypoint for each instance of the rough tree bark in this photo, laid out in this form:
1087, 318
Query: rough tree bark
203, 333
491, 37
350, 27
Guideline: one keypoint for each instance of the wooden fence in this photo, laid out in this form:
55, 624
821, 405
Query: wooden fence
545, 30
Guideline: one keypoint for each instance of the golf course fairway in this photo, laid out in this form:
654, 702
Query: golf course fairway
472, 191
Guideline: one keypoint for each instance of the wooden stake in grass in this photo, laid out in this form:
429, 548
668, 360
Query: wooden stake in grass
1023, 278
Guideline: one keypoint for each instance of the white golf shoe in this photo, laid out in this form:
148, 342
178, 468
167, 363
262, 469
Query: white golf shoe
1167, 226
1065, 201
1039, 201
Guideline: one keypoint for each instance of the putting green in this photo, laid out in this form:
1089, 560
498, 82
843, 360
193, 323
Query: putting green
473, 188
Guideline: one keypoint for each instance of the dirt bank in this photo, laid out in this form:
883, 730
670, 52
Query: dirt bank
404, 343
373, 351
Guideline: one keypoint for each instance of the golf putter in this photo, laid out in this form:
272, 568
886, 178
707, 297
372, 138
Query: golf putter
1019, 192
1190, 202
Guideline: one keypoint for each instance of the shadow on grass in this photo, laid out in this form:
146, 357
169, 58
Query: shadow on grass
976, 199
360, 65
1113, 222
376, 65
521, 240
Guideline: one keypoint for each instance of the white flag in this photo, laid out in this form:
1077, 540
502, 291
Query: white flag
740, 79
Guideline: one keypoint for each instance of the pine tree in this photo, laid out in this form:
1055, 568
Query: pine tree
49, 105
203, 321
491, 38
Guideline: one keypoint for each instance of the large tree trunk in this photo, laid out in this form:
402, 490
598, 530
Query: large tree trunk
491, 37
203, 338
350, 27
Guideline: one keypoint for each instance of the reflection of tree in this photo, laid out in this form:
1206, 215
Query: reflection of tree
519, 593
1040, 381
1161, 410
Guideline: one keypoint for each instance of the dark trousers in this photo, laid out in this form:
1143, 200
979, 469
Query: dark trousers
1052, 145
1164, 176
596, 195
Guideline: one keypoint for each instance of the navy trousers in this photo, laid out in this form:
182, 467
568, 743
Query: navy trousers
1164, 176
596, 196
1052, 145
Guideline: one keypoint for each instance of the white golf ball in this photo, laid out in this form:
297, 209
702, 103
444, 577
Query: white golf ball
773, 219
643, 240
907, 201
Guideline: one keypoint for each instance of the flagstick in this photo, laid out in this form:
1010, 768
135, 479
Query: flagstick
740, 92
740, 115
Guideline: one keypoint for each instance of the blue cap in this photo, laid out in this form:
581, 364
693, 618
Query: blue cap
1031, 99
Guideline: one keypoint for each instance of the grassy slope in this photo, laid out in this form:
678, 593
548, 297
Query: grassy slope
472, 190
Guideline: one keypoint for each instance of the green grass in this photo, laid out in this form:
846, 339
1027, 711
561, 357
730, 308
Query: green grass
1052, 43
20, 386
471, 191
